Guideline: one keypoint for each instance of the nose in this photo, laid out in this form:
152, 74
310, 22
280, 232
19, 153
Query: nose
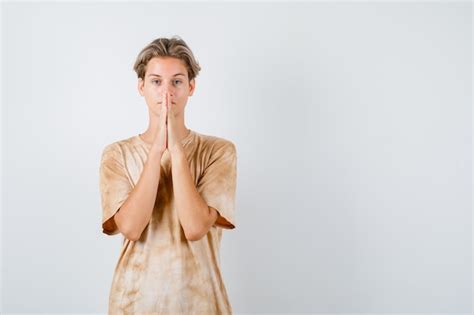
168, 90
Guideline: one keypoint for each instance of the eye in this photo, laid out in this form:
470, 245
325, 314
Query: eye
177, 81
155, 81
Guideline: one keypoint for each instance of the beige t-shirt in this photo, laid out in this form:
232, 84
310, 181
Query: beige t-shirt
163, 272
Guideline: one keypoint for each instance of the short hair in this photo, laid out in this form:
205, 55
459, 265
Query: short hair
174, 47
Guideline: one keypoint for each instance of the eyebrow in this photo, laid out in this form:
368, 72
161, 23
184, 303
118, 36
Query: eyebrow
157, 75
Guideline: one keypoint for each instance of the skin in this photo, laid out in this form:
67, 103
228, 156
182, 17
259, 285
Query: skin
155, 90
166, 95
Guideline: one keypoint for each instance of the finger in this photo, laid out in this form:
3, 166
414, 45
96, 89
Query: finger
164, 118
169, 106
164, 108
165, 105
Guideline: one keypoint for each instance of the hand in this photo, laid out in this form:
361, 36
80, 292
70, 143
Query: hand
173, 143
160, 140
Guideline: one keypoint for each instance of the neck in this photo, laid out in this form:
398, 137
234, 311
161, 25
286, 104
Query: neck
152, 130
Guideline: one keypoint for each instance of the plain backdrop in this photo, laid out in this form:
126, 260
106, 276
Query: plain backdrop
352, 123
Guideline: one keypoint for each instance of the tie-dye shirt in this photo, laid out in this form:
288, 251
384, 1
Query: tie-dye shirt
163, 272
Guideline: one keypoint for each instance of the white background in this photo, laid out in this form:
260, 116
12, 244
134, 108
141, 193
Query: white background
353, 130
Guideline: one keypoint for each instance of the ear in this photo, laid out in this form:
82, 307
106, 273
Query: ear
140, 86
192, 85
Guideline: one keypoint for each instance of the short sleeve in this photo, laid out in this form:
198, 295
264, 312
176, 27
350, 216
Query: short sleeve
217, 184
114, 186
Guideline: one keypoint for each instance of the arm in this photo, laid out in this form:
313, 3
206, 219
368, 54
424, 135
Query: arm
135, 213
195, 216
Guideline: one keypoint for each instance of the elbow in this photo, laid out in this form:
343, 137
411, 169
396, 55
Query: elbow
199, 231
131, 234
193, 235
131, 237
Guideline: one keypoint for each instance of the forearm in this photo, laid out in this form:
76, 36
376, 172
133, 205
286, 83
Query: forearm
135, 213
192, 209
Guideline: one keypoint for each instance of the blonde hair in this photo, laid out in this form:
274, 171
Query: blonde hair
174, 47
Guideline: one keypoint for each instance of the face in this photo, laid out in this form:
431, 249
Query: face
166, 74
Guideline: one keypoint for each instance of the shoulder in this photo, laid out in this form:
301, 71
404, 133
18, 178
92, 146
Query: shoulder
215, 144
116, 148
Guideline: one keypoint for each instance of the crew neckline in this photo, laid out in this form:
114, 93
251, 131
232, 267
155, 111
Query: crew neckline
184, 141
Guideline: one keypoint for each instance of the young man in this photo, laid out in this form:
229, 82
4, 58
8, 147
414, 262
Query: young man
169, 191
